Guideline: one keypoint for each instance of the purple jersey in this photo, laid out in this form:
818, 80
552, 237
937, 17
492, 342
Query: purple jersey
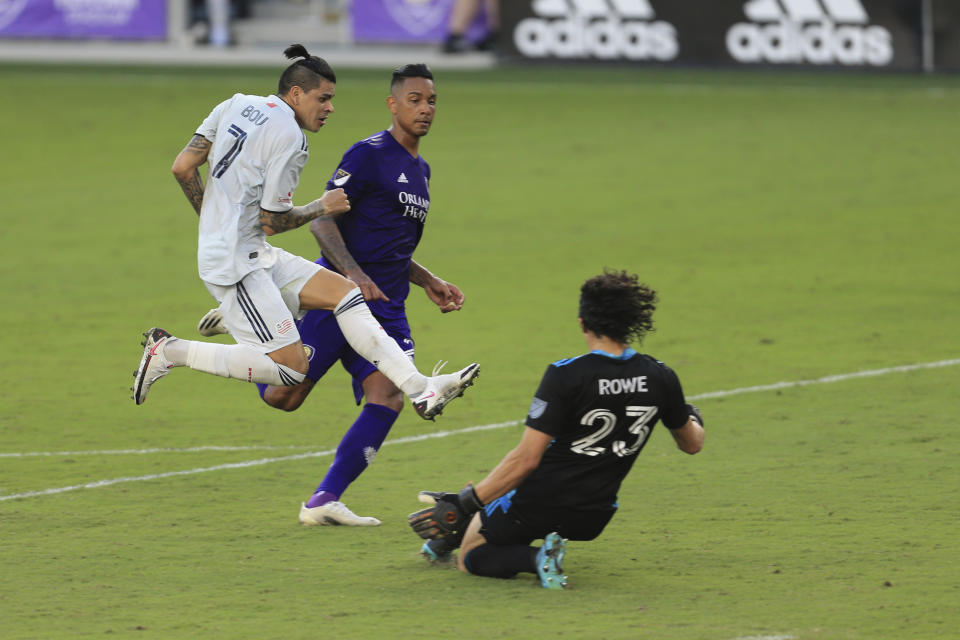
389, 193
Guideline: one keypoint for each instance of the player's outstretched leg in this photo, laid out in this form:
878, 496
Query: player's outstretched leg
334, 513
153, 365
211, 324
367, 337
442, 389
550, 562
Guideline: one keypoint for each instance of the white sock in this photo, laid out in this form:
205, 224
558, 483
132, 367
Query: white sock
369, 339
237, 361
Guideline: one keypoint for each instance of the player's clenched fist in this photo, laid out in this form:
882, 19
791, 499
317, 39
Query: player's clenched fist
335, 202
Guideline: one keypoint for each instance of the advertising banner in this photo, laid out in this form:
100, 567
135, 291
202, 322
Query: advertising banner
406, 21
119, 19
863, 34
946, 35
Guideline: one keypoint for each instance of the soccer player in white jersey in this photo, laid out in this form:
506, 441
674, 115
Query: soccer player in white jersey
256, 149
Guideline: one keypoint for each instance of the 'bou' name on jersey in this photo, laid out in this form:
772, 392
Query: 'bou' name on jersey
635, 384
415, 206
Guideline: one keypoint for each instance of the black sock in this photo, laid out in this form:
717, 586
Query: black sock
495, 561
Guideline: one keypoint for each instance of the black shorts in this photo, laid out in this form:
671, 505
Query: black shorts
502, 523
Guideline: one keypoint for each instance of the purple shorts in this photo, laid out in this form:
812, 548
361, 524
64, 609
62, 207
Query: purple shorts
325, 345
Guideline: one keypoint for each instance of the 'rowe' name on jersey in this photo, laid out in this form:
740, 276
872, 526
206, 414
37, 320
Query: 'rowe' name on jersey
636, 384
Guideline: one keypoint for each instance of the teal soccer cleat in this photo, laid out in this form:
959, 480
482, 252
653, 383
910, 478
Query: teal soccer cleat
550, 562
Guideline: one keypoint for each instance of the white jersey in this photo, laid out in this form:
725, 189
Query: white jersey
255, 162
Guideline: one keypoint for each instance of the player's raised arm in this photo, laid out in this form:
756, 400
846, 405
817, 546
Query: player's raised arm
329, 204
186, 169
331, 242
445, 295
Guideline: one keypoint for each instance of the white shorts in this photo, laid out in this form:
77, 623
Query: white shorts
260, 310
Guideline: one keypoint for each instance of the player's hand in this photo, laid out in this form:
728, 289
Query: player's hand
368, 287
450, 513
445, 295
695, 414
334, 202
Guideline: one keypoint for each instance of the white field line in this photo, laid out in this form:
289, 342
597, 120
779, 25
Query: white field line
244, 464
437, 434
113, 452
828, 379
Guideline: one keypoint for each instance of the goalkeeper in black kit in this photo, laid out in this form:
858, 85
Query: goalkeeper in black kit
590, 418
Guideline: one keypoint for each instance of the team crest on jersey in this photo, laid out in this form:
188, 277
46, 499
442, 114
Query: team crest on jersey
537, 407
340, 177
307, 349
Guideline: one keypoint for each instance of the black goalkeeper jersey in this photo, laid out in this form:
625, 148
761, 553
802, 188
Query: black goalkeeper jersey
600, 410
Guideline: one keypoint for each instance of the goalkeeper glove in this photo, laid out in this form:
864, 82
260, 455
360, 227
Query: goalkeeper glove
450, 513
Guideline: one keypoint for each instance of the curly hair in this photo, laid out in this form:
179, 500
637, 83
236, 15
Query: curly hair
616, 305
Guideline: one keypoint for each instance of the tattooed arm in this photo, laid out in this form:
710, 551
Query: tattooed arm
329, 204
335, 250
186, 169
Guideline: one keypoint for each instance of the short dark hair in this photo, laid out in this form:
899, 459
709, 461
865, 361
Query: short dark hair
401, 73
616, 305
307, 73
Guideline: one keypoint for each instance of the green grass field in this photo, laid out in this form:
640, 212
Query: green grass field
796, 226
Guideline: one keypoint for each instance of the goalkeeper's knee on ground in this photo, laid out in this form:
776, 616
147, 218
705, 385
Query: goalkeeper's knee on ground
493, 561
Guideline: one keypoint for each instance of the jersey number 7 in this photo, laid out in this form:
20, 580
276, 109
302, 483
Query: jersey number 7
233, 152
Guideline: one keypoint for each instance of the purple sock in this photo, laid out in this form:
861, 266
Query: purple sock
321, 498
355, 452
262, 388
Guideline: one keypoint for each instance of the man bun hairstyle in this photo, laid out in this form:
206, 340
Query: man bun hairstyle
616, 305
306, 73
401, 73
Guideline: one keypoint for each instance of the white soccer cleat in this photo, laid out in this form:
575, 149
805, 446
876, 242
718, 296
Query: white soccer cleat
211, 323
153, 365
334, 514
441, 389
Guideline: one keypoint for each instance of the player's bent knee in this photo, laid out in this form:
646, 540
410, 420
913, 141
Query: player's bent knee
284, 398
293, 357
289, 377
325, 290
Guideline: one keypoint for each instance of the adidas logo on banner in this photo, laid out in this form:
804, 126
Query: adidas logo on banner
812, 31
605, 29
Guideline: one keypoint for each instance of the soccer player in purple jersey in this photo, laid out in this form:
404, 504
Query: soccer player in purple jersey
387, 183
